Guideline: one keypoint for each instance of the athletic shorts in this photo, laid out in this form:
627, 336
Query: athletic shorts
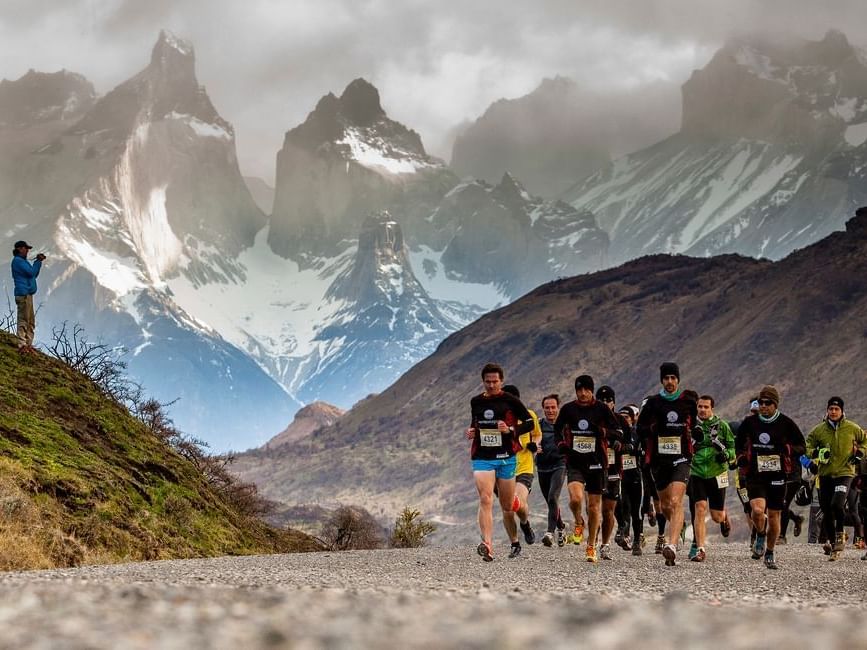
504, 467
526, 480
593, 479
612, 489
665, 475
707, 489
773, 492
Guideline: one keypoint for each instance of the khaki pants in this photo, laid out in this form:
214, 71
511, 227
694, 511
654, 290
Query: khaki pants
26, 320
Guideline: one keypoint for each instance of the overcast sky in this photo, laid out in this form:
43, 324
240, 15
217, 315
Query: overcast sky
265, 63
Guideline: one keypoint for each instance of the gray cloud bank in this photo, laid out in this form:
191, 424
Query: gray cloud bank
265, 63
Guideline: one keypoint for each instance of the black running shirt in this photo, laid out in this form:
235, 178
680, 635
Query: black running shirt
488, 442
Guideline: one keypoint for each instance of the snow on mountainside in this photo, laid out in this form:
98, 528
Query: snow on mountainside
143, 187
771, 156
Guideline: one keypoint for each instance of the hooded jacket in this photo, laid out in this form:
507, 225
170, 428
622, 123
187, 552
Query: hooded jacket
842, 441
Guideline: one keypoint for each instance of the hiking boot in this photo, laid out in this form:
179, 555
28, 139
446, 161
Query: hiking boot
693, 551
561, 537
839, 543
485, 551
548, 540
578, 535
591, 554
725, 527
516, 550
529, 535
769, 560
660, 542
669, 552
782, 540
759, 547
799, 521
699, 556
605, 552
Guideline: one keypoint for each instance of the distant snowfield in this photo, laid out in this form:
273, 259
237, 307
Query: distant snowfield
367, 155
440, 287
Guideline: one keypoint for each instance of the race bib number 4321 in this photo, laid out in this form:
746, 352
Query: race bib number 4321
769, 463
490, 437
669, 445
584, 444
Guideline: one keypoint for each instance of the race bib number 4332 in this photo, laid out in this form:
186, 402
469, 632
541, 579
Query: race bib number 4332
584, 444
490, 438
669, 445
769, 463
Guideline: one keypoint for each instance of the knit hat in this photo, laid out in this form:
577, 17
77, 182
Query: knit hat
836, 401
584, 381
669, 368
605, 392
771, 393
512, 390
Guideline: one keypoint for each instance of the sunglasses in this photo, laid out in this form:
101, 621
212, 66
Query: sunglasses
607, 399
765, 402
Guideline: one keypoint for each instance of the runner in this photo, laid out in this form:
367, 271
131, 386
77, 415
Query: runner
611, 496
631, 486
582, 430
551, 467
740, 482
494, 431
709, 476
524, 470
767, 445
667, 426
837, 446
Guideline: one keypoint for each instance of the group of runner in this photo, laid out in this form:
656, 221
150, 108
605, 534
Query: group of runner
620, 464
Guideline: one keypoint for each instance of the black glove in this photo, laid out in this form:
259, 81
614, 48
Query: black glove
716, 442
721, 457
743, 461
532, 446
733, 465
697, 434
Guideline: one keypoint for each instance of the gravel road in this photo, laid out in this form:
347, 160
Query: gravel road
443, 597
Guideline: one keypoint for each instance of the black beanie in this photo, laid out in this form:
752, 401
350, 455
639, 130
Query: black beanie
669, 368
512, 390
605, 392
584, 381
836, 401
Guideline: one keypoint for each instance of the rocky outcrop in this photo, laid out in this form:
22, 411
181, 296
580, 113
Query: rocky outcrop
306, 421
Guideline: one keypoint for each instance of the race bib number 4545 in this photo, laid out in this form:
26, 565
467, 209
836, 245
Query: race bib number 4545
490, 438
584, 444
669, 445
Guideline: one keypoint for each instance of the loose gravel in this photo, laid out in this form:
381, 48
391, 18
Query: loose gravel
443, 598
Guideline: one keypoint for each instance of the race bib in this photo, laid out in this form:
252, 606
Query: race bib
584, 444
669, 445
841, 488
611, 457
722, 481
743, 495
629, 463
490, 438
769, 463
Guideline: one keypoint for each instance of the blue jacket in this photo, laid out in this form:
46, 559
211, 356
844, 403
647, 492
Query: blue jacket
24, 275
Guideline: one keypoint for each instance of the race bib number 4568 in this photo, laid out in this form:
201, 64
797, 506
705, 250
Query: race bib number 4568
584, 444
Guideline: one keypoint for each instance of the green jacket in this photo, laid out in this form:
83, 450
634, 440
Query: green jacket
704, 462
842, 442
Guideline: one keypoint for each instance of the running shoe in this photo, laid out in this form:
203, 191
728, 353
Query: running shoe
839, 543
636, 550
627, 544
826, 548
859, 543
578, 535
529, 535
759, 547
725, 527
516, 550
548, 539
618, 539
669, 552
769, 560
591, 554
833, 556
485, 551
642, 540
699, 556
693, 551
799, 521
561, 537
660, 542
605, 552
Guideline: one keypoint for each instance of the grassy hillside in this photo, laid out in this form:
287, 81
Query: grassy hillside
82, 481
